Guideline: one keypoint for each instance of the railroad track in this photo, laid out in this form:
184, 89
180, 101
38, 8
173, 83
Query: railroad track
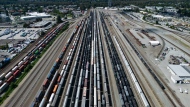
160, 80
165, 38
125, 92
85, 86
53, 49
50, 93
74, 59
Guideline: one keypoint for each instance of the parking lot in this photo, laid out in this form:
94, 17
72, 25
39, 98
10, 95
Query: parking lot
19, 33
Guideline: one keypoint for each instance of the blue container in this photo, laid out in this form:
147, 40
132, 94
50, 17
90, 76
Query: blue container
52, 71
49, 77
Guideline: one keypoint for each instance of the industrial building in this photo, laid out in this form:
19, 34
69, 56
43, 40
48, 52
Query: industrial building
179, 73
161, 18
34, 15
41, 24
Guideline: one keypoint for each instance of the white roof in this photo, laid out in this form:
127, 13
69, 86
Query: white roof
158, 16
179, 70
175, 77
37, 14
154, 41
27, 17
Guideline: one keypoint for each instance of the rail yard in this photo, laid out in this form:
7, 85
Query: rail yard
104, 59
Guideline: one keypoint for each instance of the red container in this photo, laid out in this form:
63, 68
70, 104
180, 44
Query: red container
32, 57
45, 84
59, 79
66, 62
21, 67
26, 63
85, 83
16, 73
10, 79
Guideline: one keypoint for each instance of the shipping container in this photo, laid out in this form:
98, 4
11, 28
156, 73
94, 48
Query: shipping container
66, 62
52, 71
54, 103
55, 88
84, 91
21, 67
31, 58
42, 103
16, 73
51, 98
49, 77
57, 60
15, 68
45, 83
2, 76
10, 79
8, 75
39, 95
26, 63
3, 87
59, 79
20, 63
85, 82
58, 90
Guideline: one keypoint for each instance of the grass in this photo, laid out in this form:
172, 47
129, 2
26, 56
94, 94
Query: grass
13, 85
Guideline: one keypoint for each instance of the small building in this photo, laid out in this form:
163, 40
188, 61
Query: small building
154, 43
179, 73
170, 10
150, 8
161, 18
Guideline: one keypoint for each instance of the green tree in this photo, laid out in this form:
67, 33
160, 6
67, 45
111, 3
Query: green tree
59, 19
157, 22
26, 25
40, 10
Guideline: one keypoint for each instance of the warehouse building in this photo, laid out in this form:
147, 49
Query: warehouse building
41, 24
34, 15
179, 73
161, 18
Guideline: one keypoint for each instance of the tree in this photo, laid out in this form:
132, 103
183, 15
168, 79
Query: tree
59, 19
40, 10
26, 25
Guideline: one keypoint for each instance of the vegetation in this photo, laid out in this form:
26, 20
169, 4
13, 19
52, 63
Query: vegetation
184, 11
4, 47
26, 25
59, 19
13, 85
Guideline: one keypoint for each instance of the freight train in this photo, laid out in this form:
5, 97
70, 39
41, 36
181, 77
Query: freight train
49, 94
7, 78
